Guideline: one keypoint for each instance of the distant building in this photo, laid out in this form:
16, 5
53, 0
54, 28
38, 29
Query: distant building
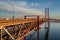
7, 18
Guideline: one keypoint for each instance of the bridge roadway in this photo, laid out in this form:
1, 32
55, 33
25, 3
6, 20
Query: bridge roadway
4, 23
20, 23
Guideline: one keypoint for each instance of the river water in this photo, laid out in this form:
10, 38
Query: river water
54, 32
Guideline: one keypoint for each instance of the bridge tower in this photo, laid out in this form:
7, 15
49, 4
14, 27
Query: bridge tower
47, 16
47, 23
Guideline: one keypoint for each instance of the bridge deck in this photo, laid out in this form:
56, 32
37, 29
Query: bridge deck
7, 23
4, 23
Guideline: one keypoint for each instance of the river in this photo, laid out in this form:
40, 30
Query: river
54, 32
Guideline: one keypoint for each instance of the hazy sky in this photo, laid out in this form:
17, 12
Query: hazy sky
26, 7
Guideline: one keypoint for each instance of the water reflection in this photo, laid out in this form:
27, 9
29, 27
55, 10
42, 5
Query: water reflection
51, 33
46, 34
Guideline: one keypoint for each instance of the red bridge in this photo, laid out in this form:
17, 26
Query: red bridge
18, 29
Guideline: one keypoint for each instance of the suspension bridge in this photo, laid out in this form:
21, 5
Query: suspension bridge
18, 29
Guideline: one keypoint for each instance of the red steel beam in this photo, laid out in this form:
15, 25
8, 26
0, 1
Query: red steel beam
38, 38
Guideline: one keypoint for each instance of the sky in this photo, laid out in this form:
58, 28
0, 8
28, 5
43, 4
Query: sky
19, 8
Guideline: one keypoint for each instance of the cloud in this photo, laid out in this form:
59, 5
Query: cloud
5, 6
34, 5
21, 3
20, 8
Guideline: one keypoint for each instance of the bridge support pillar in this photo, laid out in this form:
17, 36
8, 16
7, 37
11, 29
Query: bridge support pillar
24, 17
38, 37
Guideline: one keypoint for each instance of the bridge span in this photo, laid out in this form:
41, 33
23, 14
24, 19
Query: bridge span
18, 29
